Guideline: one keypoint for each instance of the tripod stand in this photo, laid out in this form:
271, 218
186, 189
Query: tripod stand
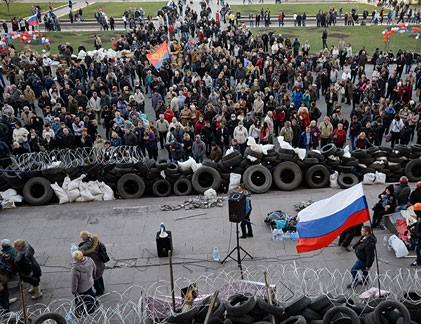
238, 248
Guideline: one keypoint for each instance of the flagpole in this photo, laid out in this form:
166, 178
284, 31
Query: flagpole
375, 252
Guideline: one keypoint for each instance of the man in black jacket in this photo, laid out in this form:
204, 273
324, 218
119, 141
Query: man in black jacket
365, 252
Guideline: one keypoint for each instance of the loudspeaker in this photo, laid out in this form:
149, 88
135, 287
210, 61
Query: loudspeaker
236, 207
163, 245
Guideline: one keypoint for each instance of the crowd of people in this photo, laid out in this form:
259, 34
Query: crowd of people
221, 85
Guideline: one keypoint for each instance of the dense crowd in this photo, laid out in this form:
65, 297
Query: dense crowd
221, 85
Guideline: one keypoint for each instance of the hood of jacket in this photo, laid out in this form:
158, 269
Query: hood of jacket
81, 266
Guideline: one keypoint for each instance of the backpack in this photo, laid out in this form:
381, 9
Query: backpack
102, 253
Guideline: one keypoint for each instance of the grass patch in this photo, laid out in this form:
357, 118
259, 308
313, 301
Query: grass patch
116, 9
23, 9
311, 9
74, 38
371, 37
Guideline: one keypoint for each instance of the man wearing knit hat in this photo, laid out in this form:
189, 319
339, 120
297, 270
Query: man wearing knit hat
7, 256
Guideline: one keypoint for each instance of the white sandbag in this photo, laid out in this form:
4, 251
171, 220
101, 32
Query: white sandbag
98, 197
301, 153
334, 180
186, 165
86, 195
83, 186
235, 180
66, 182
62, 195
8, 193
79, 199
108, 193
16, 198
210, 193
398, 246
195, 166
7, 204
94, 188
266, 148
380, 178
253, 146
74, 184
229, 151
283, 144
252, 158
369, 178
73, 195
347, 153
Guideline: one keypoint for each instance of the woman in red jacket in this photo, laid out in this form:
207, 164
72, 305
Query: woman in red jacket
339, 136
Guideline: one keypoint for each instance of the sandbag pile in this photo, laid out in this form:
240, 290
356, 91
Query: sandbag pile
245, 308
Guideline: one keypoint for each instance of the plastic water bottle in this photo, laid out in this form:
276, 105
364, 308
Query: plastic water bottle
162, 227
287, 235
385, 241
73, 248
294, 236
215, 254
69, 318
389, 247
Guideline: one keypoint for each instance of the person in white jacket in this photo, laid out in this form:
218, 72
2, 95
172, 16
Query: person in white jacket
20, 135
240, 134
95, 103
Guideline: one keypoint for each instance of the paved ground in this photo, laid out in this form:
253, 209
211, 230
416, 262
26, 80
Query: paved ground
128, 228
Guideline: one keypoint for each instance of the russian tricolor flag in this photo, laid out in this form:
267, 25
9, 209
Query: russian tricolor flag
33, 20
323, 221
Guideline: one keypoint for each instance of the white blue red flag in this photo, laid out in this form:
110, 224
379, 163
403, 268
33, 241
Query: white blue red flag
323, 221
33, 20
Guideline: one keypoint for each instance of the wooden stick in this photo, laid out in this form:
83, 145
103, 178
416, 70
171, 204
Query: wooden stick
212, 304
269, 293
190, 216
22, 300
172, 280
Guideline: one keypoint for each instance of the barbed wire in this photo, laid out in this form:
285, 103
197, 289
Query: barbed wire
38, 161
138, 304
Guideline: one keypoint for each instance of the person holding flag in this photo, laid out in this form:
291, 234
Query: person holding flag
33, 20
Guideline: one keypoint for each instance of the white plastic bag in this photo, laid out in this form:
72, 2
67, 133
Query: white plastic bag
252, 158
369, 178
62, 196
74, 184
347, 154
253, 146
86, 195
380, 178
283, 144
398, 246
334, 180
210, 193
235, 180
229, 151
195, 166
301, 153
15, 199
266, 148
108, 193
186, 165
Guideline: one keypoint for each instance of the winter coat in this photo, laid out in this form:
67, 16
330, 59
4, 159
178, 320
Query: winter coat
364, 249
90, 249
83, 275
26, 263
199, 149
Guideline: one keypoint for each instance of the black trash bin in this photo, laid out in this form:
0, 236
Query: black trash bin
163, 244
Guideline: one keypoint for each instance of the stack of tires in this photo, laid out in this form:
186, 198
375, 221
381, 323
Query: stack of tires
281, 170
244, 308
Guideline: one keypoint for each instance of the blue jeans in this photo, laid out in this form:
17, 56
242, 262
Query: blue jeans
418, 253
359, 265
